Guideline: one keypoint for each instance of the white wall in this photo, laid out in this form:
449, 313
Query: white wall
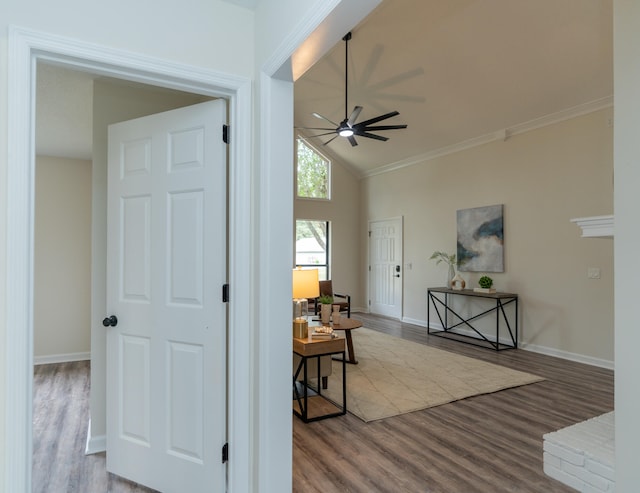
627, 204
196, 32
207, 33
62, 259
544, 178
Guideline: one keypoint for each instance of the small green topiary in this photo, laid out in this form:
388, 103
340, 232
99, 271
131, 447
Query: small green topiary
485, 282
325, 299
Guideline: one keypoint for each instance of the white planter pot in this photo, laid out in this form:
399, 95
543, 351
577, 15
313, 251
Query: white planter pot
325, 314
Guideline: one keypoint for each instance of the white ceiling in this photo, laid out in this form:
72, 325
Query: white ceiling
458, 71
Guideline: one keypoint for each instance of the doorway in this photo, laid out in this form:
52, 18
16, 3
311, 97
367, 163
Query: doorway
64, 209
385, 267
29, 49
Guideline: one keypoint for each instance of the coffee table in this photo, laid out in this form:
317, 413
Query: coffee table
348, 324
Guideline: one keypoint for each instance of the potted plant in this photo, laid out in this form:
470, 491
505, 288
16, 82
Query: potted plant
486, 284
450, 260
325, 308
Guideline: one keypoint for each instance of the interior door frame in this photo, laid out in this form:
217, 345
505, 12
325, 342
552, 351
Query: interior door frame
26, 48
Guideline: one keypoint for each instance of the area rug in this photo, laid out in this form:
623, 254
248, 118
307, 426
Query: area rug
395, 376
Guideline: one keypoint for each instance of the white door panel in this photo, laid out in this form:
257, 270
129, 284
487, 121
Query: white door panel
385, 267
166, 358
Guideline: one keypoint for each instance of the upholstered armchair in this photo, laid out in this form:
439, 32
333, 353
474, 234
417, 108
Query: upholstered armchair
312, 368
344, 300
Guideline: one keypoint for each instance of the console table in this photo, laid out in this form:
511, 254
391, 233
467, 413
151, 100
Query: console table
439, 298
315, 407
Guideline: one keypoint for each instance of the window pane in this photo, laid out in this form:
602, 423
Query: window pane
312, 173
312, 246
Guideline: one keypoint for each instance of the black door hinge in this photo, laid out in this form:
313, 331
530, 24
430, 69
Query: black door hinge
225, 134
225, 453
225, 293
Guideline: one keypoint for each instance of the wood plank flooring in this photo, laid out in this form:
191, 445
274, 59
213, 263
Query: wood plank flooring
490, 443
60, 419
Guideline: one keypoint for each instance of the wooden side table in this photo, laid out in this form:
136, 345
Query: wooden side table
316, 407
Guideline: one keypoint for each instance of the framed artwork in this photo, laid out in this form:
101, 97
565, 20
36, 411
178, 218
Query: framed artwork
480, 246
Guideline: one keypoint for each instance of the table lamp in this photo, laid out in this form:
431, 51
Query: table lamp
305, 285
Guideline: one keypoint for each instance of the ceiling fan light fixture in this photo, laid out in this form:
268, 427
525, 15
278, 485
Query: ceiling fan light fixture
348, 127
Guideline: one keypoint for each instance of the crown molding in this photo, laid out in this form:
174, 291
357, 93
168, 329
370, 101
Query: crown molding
596, 226
503, 134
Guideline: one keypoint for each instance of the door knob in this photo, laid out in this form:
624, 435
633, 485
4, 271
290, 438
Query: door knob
110, 321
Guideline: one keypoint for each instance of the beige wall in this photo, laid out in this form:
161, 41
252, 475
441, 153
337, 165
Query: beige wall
544, 178
344, 213
62, 259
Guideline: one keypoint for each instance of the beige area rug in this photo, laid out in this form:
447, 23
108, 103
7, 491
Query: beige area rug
395, 376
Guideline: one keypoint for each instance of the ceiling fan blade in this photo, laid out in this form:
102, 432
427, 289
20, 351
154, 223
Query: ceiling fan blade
376, 119
372, 136
354, 115
384, 127
330, 140
322, 135
317, 115
315, 128
352, 141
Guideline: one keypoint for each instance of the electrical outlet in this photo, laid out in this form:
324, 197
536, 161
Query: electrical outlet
593, 273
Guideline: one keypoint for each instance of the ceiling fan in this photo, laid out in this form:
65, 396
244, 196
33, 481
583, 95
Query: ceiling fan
348, 127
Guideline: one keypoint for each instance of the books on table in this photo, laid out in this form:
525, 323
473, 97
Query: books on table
322, 333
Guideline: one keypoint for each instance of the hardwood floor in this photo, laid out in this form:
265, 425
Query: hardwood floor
60, 418
489, 443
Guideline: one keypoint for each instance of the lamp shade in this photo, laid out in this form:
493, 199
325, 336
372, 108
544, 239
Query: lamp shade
305, 283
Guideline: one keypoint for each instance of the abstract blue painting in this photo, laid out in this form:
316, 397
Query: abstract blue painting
481, 239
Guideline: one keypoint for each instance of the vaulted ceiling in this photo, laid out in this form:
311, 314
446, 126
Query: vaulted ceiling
459, 72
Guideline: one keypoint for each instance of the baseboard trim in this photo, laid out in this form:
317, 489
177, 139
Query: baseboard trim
578, 358
414, 321
95, 444
534, 348
61, 358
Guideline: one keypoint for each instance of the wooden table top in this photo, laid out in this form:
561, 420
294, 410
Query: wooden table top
315, 347
471, 292
345, 324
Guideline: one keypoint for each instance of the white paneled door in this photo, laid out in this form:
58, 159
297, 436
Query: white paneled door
385, 267
166, 267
